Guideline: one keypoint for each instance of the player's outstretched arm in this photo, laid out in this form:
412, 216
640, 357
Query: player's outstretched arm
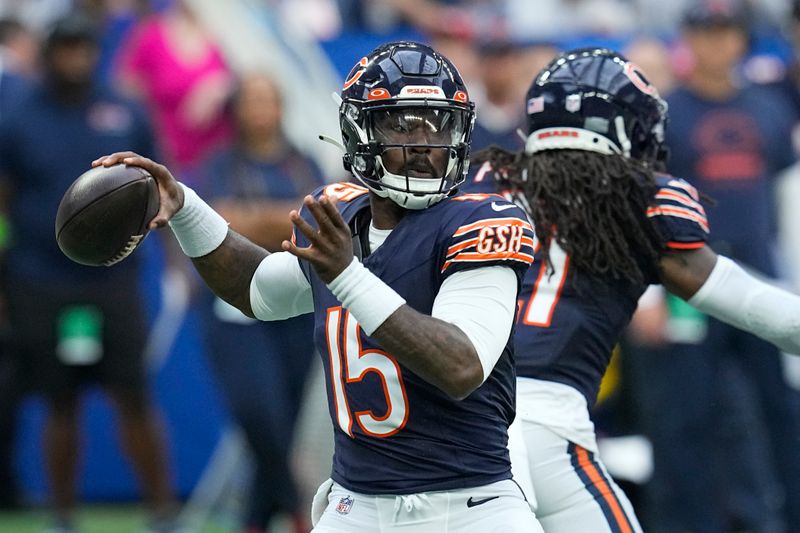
224, 259
436, 350
719, 287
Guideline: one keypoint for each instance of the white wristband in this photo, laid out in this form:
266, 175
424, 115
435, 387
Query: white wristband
199, 229
369, 300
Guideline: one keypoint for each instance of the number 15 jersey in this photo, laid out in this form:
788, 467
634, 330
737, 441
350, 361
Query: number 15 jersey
394, 432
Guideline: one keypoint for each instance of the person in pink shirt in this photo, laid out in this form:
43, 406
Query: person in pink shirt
174, 65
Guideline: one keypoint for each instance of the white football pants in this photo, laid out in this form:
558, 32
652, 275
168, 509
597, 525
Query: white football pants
496, 508
567, 485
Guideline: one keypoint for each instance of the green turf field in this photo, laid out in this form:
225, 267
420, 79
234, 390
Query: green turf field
95, 519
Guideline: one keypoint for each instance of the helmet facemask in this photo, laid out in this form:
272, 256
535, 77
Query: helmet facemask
406, 123
414, 152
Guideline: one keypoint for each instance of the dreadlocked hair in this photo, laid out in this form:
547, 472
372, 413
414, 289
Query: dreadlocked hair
593, 205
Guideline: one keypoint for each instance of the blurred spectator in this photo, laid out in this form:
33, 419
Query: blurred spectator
254, 185
498, 94
321, 18
117, 19
462, 53
18, 49
38, 15
653, 57
789, 194
729, 140
785, 80
559, 19
18, 60
498, 91
72, 325
177, 67
458, 18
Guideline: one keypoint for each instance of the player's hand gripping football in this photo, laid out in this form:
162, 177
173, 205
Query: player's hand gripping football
331, 249
170, 191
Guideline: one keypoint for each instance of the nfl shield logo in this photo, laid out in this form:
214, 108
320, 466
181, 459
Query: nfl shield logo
344, 505
536, 105
573, 103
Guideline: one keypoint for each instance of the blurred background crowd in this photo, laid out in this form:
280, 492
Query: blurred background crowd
208, 421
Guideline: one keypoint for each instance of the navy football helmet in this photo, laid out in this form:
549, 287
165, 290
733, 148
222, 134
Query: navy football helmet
406, 123
595, 99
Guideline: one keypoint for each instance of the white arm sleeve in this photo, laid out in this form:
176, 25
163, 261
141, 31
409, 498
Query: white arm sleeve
482, 303
279, 290
732, 295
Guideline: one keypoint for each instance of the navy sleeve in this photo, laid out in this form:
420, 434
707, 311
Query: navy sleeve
488, 230
679, 215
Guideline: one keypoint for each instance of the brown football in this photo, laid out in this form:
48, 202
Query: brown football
103, 216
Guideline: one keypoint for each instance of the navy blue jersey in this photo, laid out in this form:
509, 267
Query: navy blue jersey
731, 150
45, 144
568, 324
394, 432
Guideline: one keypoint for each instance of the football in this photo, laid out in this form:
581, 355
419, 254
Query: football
103, 216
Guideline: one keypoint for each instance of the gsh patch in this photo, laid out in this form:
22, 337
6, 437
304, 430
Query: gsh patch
344, 505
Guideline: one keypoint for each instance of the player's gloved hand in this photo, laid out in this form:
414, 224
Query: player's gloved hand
169, 189
331, 249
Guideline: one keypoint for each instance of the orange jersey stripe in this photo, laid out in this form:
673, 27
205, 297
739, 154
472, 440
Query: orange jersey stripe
475, 196
460, 246
477, 256
685, 245
680, 184
679, 212
474, 257
682, 198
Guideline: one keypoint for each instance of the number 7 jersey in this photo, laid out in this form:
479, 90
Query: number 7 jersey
394, 432
568, 323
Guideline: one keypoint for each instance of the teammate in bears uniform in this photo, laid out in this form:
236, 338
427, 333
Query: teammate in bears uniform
607, 225
414, 293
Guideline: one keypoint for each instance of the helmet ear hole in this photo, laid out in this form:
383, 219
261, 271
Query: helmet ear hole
364, 165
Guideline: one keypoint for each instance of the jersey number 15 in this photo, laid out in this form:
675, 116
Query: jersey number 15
350, 363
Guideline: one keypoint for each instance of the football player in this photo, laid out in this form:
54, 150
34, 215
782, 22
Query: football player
414, 292
607, 224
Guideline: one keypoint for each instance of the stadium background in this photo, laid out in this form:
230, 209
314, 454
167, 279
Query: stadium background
196, 420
